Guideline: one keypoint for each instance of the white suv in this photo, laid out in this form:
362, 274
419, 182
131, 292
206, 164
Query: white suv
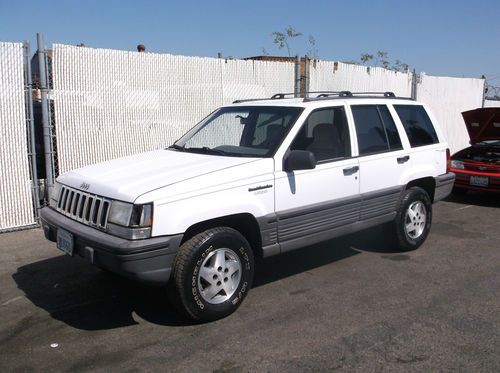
255, 178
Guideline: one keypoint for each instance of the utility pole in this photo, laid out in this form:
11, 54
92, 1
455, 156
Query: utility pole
47, 133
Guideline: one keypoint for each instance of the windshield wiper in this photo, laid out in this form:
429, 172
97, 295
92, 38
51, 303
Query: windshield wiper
177, 147
206, 150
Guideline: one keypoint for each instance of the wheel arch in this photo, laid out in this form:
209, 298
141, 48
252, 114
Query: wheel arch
426, 183
245, 223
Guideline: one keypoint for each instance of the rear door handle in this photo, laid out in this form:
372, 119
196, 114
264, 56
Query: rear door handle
350, 170
404, 159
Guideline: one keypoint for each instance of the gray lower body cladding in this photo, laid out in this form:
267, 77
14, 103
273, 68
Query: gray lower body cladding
444, 185
148, 260
296, 228
324, 221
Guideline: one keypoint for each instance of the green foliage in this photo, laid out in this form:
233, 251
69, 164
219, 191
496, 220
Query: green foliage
281, 39
365, 57
382, 60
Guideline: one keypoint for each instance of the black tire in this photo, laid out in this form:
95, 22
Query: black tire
197, 256
408, 239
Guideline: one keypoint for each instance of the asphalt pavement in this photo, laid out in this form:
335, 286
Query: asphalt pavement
350, 304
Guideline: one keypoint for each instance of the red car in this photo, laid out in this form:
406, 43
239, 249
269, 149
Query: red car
478, 166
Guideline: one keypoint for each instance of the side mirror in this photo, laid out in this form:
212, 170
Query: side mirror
299, 160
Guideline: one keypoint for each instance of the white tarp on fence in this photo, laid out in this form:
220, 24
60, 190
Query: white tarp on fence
16, 208
338, 76
111, 103
491, 103
448, 98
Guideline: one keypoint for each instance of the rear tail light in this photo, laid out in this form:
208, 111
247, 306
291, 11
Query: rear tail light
448, 160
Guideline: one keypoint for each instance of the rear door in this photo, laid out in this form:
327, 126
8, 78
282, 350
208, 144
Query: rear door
383, 161
428, 153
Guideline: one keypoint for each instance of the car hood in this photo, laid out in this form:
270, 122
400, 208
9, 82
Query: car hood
482, 124
127, 178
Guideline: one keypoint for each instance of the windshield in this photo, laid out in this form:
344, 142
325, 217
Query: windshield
244, 131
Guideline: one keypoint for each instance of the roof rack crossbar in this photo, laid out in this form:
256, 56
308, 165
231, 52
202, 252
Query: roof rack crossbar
349, 93
333, 93
280, 96
385, 94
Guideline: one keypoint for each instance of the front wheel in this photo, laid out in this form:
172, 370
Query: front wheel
213, 272
413, 219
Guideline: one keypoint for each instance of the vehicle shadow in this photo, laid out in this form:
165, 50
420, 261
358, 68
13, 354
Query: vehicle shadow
475, 198
86, 298
307, 258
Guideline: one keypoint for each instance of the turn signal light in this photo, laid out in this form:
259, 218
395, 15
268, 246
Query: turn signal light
448, 160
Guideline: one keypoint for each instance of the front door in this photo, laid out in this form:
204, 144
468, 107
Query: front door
311, 204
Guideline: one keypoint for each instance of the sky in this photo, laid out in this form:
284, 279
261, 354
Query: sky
446, 38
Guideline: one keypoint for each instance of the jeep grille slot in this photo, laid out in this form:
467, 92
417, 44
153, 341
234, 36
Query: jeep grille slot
87, 208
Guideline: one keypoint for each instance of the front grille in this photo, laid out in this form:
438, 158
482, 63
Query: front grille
482, 167
89, 209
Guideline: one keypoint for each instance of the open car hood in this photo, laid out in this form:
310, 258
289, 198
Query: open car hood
482, 124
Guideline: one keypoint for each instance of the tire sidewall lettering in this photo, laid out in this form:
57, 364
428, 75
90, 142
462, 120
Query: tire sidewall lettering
243, 286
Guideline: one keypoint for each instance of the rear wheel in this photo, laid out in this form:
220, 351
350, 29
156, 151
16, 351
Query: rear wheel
413, 220
212, 274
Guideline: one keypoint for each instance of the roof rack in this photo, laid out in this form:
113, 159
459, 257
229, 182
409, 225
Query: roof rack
281, 96
342, 94
326, 95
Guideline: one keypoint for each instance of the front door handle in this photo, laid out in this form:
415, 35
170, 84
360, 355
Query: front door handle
404, 159
350, 170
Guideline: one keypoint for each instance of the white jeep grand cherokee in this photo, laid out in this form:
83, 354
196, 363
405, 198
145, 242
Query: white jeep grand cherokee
255, 178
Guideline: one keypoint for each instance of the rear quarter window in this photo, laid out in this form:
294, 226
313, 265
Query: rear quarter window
417, 124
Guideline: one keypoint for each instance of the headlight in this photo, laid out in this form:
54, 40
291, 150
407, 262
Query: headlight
130, 221
457, 164
120, 213
54, 195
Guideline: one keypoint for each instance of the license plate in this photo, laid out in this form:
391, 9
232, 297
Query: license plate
481, 181
65, 241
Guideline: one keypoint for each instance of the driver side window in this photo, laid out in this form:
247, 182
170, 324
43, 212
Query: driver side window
325, 133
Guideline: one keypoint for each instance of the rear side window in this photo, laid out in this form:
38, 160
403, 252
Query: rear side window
417, 124
375, 129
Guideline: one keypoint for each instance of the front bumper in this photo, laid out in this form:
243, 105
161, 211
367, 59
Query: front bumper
149, 260
462, 180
